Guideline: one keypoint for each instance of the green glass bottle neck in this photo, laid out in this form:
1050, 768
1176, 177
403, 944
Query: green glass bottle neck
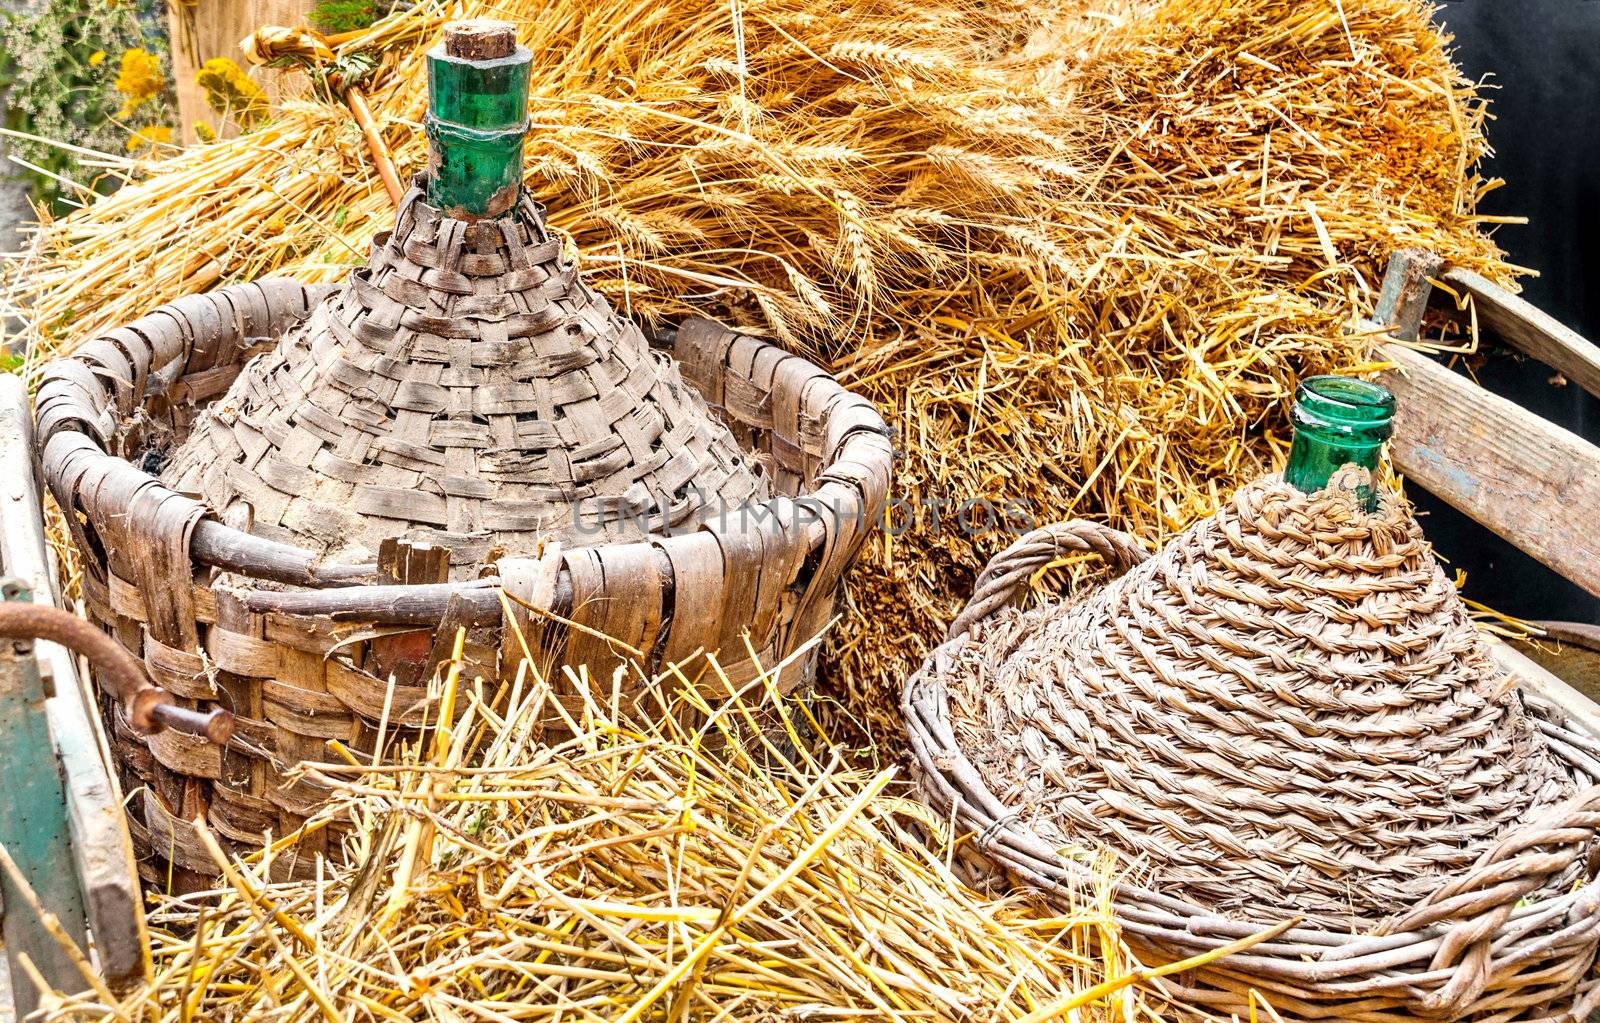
1338, 421
477, 120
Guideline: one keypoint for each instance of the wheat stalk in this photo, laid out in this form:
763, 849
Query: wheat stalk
1078, 252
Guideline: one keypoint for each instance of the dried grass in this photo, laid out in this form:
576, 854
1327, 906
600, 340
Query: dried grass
640, 870
1078, 250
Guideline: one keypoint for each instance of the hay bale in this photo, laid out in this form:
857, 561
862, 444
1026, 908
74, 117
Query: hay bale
1079, 252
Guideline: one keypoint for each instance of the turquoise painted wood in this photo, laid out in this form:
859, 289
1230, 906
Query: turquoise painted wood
34, 826
101, 856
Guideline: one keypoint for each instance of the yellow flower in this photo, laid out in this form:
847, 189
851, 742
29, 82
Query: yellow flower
204, 132
229, 90
149, 138
139, 79
97, 58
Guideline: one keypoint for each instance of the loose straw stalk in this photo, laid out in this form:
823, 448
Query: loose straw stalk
1078, 252
650, 866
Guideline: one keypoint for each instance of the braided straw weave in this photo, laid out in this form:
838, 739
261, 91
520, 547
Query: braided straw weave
463, 388
306, 648
1286, 713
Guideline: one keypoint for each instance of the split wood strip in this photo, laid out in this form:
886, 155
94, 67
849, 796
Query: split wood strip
296, 681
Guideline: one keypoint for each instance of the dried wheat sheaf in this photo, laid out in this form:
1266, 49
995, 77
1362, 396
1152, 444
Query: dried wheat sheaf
1079, 250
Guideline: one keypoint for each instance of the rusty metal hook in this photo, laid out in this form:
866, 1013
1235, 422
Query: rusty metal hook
149, 708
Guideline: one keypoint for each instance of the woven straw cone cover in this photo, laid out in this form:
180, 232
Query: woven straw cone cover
463, 388
1286, 710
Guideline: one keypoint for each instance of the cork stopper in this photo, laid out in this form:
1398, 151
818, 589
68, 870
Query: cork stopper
480, 39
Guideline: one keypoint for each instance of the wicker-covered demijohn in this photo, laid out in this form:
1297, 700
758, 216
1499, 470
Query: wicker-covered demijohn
463, 389
1284, 715
350, 474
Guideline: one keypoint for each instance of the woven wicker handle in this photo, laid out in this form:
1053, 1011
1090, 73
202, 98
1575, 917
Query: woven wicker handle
1006, 575
1475, 907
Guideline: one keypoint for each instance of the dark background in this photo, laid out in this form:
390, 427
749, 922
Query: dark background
1542, 60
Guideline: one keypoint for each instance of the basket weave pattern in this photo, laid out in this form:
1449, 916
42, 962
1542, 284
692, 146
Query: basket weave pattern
288, 641
465, 389
1285, 714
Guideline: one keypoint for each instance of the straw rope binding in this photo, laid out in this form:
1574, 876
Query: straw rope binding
304, 651
1285, 714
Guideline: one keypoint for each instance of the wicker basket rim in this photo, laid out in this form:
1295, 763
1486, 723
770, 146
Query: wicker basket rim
229, 549
1301, 953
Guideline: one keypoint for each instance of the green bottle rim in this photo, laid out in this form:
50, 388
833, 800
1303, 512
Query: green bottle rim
483, 95
476, 123
1357, 409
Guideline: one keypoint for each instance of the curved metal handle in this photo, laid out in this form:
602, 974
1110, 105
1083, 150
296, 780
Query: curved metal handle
1007, 574
149, 708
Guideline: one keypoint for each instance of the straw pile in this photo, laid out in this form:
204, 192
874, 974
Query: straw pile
1079, 250
632, 872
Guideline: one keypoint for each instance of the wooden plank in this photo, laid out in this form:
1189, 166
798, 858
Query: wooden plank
1511, 320
1403, 296
1533, 483
1541, 682
1579, 634
102, 850
33, 831
214, 28
1521, 325
22, 546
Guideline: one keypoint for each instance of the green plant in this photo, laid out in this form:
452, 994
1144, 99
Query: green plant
343, 15
61, 67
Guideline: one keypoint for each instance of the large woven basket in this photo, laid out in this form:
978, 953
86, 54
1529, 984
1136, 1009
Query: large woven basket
1509, 934
304, 652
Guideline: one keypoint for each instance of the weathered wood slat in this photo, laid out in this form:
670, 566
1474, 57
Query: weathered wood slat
198, 35
35, 834
1403, 296
233, 550
1532, 482
1549, 687
1579, 634
421, 604
1530, 330
34, 829
101, 851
